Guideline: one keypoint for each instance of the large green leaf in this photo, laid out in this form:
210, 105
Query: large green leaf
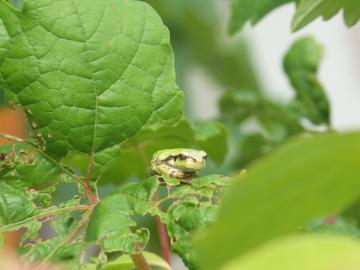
251, 10
308, 177
93, 73
309, 10
14, 205
312, 252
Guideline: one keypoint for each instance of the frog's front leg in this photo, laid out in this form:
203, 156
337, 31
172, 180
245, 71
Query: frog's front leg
166, 170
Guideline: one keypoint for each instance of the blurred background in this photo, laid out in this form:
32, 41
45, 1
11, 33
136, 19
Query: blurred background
210, 63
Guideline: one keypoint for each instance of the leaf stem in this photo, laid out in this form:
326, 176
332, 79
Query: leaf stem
139, 260
89, 193
164, 241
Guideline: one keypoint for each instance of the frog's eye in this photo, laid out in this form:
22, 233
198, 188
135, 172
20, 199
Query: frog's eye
182, 157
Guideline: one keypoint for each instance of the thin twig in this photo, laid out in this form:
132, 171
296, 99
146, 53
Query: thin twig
46, 261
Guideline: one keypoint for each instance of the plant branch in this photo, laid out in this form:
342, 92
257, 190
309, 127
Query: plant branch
45, 262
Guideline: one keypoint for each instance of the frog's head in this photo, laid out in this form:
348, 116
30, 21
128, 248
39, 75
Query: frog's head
182, 159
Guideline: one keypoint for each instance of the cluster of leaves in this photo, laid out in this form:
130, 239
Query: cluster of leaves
306, 11
272, 122
97, 85
184, 209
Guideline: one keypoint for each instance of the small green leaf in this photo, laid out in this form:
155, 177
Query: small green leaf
309, 10
252, 11
125, 262
185, 218
311, 252
14, 205
301, 64
303, 180
111, 222
212, 137
24, 167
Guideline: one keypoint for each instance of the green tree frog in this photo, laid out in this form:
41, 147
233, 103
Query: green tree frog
178, 163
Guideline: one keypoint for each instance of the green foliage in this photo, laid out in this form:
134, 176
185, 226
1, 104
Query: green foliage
96, 81
332, 252
306, 11
301, 64
303, 179
103, 96
14, 205
309, 10
252, 11
24, 167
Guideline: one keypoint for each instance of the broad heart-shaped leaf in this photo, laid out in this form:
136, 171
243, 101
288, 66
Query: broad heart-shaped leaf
93, 73
251, 10
307, 178
14, 205
301, 64
311, 252
22, 167
309, 10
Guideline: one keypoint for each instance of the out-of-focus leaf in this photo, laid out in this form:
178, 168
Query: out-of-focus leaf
125, 262
304, 179
195, 32
340, 226
241, 104
252, 11
301, 64
14, 205
309, 10
116, 75
251, 147
212, 137
22, 166
311, 252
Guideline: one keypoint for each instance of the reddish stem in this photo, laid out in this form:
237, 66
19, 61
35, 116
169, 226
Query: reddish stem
89, 193
139, 259
164, 242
